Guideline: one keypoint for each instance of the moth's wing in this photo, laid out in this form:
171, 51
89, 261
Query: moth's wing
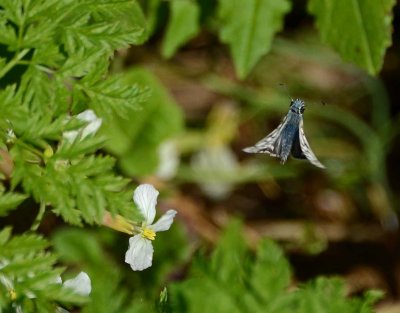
296, 148
305, 148
269, 144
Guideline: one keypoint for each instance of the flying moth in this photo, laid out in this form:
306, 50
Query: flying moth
288, 138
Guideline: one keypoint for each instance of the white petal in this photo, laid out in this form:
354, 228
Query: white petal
87, 116
80, 284
216, 166
168, 160
145, 197
93, 125
58, 280
70, 135
165, 221
140, 253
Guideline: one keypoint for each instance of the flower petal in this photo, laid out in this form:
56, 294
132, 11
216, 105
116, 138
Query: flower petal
140, 253
80, 284
71, 135
87, 116
165, 221
93, 125
58, 280
168, 156
145, 197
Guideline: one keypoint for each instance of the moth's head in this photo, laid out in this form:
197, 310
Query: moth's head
297, 106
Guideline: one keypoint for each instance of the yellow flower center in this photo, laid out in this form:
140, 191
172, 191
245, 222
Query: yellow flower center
12, 294
148, 234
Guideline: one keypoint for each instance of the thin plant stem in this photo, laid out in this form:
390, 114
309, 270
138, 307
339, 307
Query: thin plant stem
39, 217
13, 62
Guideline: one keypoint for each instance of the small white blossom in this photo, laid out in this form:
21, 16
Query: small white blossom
215, 165
140, 251
93, 125
168, 160
80, 284
10, 135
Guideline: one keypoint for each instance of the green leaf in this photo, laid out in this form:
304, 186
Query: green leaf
113, 94
151, 9
135, 138
270, 283
78, 245
183, 25
228, 258
82, 62
9, 201
5, 235
248, 27
359, 30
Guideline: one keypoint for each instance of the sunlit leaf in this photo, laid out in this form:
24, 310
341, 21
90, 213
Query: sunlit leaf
248, 27
359, 30
183, 25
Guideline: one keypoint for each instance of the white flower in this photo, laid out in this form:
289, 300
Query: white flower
93, 125
140, 251
10, 135
216, 167
168, 160
80, 284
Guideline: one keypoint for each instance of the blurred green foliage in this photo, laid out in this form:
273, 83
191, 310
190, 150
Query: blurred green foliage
183, 26
137, 135
232, 280
360, 31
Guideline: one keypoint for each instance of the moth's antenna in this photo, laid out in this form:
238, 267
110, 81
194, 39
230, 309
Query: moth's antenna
286, 90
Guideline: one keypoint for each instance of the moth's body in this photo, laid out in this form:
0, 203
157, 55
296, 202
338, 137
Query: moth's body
288, 138
289, 131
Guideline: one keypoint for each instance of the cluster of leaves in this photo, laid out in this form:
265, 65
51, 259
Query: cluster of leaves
55, 57
28, 276
233, 281
360, 31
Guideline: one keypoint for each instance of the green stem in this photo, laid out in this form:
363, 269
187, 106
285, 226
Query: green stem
13, 62
39, 216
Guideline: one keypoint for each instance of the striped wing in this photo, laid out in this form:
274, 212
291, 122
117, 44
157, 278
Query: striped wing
270, 144
305, 148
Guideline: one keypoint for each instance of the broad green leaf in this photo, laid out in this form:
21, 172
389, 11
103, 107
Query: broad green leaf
197, 295
248, 27
183, 25
135, 137
360, 30
228, 258
271, 271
